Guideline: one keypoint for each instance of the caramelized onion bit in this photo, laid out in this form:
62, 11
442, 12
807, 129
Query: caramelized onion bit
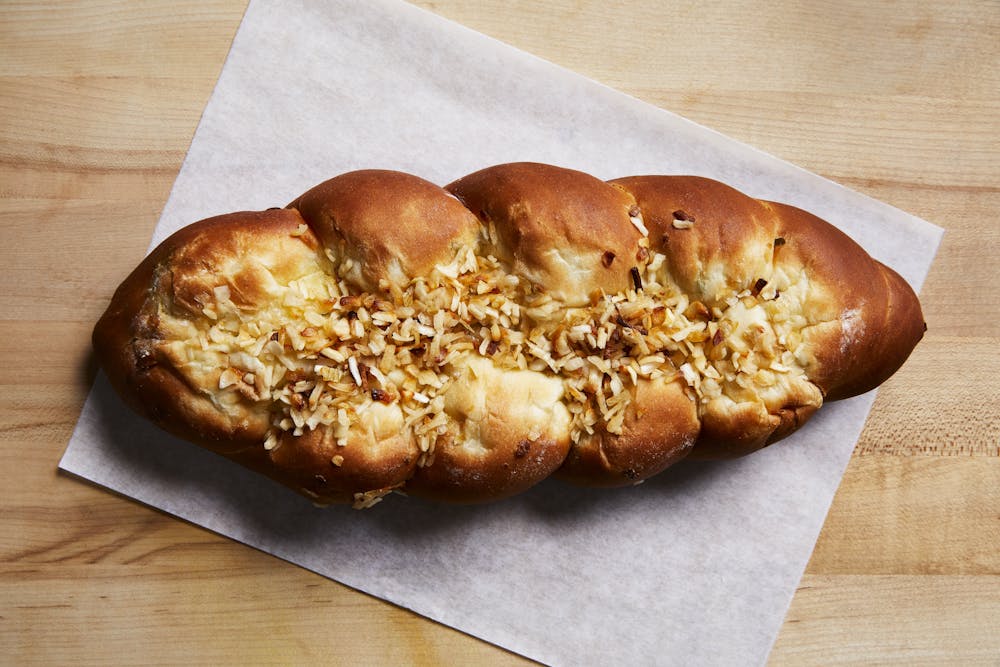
636, 278
381, 396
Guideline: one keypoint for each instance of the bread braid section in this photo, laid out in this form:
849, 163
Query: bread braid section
464, 343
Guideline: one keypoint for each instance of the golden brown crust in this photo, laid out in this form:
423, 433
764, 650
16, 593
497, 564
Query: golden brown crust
863, 320
660, 429
393, 226
177, 281
129, 342
514, 433
562, 229
728, 243
377, 456
867, 318
365, 340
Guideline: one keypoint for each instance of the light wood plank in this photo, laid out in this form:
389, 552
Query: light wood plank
113, 38
863, 47
242, 608
953, 413
913, 515
844, 129
67, 267
891, 619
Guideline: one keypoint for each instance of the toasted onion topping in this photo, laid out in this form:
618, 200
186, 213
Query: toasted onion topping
325, 355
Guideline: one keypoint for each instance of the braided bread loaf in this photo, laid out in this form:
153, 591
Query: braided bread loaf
381, 333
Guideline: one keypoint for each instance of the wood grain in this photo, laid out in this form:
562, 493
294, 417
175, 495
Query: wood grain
913, 515
951, 415
98, 104
297, 618
891, 619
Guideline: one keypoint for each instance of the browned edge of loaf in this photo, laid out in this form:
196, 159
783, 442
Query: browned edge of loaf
126, 352
728, 224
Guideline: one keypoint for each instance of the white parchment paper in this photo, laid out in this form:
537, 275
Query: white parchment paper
697, 566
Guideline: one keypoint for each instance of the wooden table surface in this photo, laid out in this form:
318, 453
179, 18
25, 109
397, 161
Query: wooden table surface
901, 101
